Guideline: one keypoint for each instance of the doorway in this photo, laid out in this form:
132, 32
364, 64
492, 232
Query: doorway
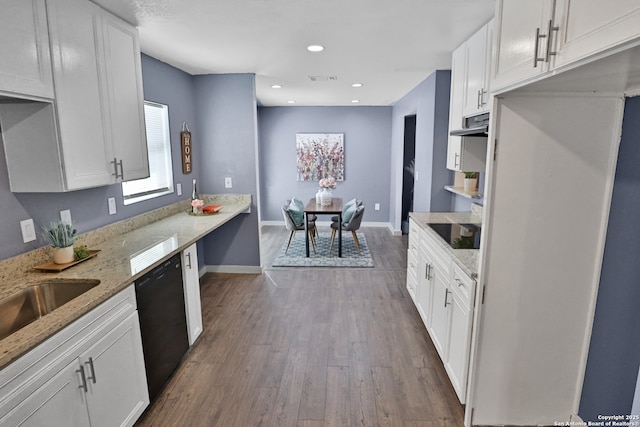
408, 170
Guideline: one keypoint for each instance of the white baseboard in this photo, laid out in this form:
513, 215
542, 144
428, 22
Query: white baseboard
234, 269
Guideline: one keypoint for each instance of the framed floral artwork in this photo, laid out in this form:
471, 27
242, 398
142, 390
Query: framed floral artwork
320, 155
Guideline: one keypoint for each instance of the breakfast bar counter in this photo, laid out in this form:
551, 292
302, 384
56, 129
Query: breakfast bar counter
127, 250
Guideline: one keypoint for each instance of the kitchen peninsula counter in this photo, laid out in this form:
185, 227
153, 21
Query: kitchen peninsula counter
128, 249
466, 259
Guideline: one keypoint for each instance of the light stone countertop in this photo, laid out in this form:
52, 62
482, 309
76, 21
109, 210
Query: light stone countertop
122, 259
466, 259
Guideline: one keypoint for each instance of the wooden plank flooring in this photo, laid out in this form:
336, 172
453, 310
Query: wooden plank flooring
310, 347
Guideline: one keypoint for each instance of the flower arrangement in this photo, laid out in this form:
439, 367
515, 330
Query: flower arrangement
328, 182
60, 234
197, 205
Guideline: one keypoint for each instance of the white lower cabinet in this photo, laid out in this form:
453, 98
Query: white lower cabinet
89, 374
445, 301
440, 313
460, 300
191, 283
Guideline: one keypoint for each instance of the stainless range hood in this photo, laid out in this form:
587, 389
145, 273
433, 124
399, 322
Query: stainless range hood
474, 126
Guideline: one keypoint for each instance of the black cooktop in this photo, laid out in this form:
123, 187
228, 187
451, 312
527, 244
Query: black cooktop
459, 236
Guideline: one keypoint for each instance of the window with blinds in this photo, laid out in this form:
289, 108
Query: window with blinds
160, 180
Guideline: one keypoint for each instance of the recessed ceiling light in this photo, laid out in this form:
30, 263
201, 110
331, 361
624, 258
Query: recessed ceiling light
276, 86
291, 102
355, 101
315, 48
356, 85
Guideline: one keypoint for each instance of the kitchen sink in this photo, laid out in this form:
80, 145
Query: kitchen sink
29, 304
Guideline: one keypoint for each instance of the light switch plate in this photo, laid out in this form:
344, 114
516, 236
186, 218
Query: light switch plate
112, 205
179, 189
28, 230
376, 207
65, 216
227, 182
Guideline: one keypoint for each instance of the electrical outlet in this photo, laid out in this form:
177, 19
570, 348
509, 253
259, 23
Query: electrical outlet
28, 230
112, 205
179, 189
65, 216
227, 182
376, 207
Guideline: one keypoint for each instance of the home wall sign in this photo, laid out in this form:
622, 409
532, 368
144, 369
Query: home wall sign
320, 155
185, 137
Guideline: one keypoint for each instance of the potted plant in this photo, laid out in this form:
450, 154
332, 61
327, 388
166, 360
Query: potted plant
61, 236
470, 182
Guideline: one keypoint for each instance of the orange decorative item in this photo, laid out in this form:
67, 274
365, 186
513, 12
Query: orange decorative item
211, 208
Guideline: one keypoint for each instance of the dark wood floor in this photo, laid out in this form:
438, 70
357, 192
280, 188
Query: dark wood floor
311, 347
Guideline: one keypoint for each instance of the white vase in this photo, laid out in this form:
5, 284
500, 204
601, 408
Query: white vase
63, 255
470, 185
326, 197
319, 197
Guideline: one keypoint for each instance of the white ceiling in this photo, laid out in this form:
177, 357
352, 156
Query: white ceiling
387, 45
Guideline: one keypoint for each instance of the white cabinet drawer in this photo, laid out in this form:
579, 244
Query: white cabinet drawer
463, 285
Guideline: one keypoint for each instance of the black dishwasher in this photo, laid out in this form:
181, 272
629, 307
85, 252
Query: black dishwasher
163, 323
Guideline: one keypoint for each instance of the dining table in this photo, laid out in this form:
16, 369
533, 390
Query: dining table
315, 208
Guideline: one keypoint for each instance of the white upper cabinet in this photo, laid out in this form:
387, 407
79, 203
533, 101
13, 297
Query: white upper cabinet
590, 26
79, 93
93, 133
534, 37
126, 100
25, 64
477, 51
521, 40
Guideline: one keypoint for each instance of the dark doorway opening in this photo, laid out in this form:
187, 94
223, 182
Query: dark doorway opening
408, 168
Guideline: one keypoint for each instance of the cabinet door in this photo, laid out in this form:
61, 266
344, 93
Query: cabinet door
74, 30
476, 59
116, 380
459, 340
440, 311
59, 402
425, 288
455, 105
590, 26
516, 44
412, 277
468, 153
191, 283
125, 102
25, 63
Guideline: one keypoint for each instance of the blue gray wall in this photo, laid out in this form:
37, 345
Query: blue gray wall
89, 209
227, 124
614, 353
367, 146
429, 101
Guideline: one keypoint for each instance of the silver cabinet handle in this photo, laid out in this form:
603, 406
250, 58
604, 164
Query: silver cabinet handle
482, 93
456, 163
446, 297
93, 372
427, 272
550, 29
84, 379
117, 163
188, 255
536, 47
478, 101
115, 167
459, 282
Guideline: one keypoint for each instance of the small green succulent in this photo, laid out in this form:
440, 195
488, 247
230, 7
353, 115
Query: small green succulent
60, 234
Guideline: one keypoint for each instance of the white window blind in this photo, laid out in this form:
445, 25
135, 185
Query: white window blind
160, 180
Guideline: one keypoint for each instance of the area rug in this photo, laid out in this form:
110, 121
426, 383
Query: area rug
296, 257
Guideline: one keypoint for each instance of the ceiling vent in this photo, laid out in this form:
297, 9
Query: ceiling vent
323, 78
